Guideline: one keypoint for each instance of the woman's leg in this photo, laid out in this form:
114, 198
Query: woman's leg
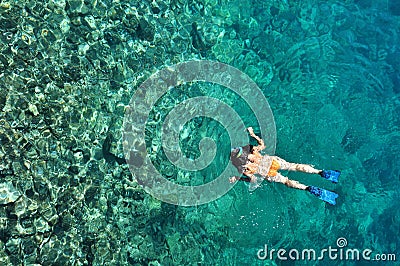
284, 180
325, 195
306, 168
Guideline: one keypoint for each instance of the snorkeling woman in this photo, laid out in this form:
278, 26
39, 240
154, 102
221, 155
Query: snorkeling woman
256, 167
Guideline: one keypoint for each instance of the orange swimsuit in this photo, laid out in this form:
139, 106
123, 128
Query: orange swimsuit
268, 166
273, 170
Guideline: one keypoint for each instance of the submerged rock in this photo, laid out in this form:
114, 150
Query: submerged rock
8, 193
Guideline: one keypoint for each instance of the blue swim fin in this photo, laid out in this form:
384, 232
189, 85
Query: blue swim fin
331, 175
322, 194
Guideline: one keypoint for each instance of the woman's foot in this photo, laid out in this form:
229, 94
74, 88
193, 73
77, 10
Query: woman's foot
323, 194
331, 175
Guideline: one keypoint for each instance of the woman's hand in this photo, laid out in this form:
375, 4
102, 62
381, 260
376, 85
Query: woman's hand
233, 179
251, 131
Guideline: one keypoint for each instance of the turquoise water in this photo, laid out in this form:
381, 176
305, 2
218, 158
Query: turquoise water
329, 70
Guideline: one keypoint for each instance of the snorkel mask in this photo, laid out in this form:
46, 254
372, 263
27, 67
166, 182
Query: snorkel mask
239, 153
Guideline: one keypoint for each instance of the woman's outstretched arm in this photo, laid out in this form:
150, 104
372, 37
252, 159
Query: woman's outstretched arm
248, 178
261, 145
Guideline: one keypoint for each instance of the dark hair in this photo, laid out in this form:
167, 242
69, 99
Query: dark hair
239, 156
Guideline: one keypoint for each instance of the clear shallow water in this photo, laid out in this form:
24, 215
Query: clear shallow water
329, 70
